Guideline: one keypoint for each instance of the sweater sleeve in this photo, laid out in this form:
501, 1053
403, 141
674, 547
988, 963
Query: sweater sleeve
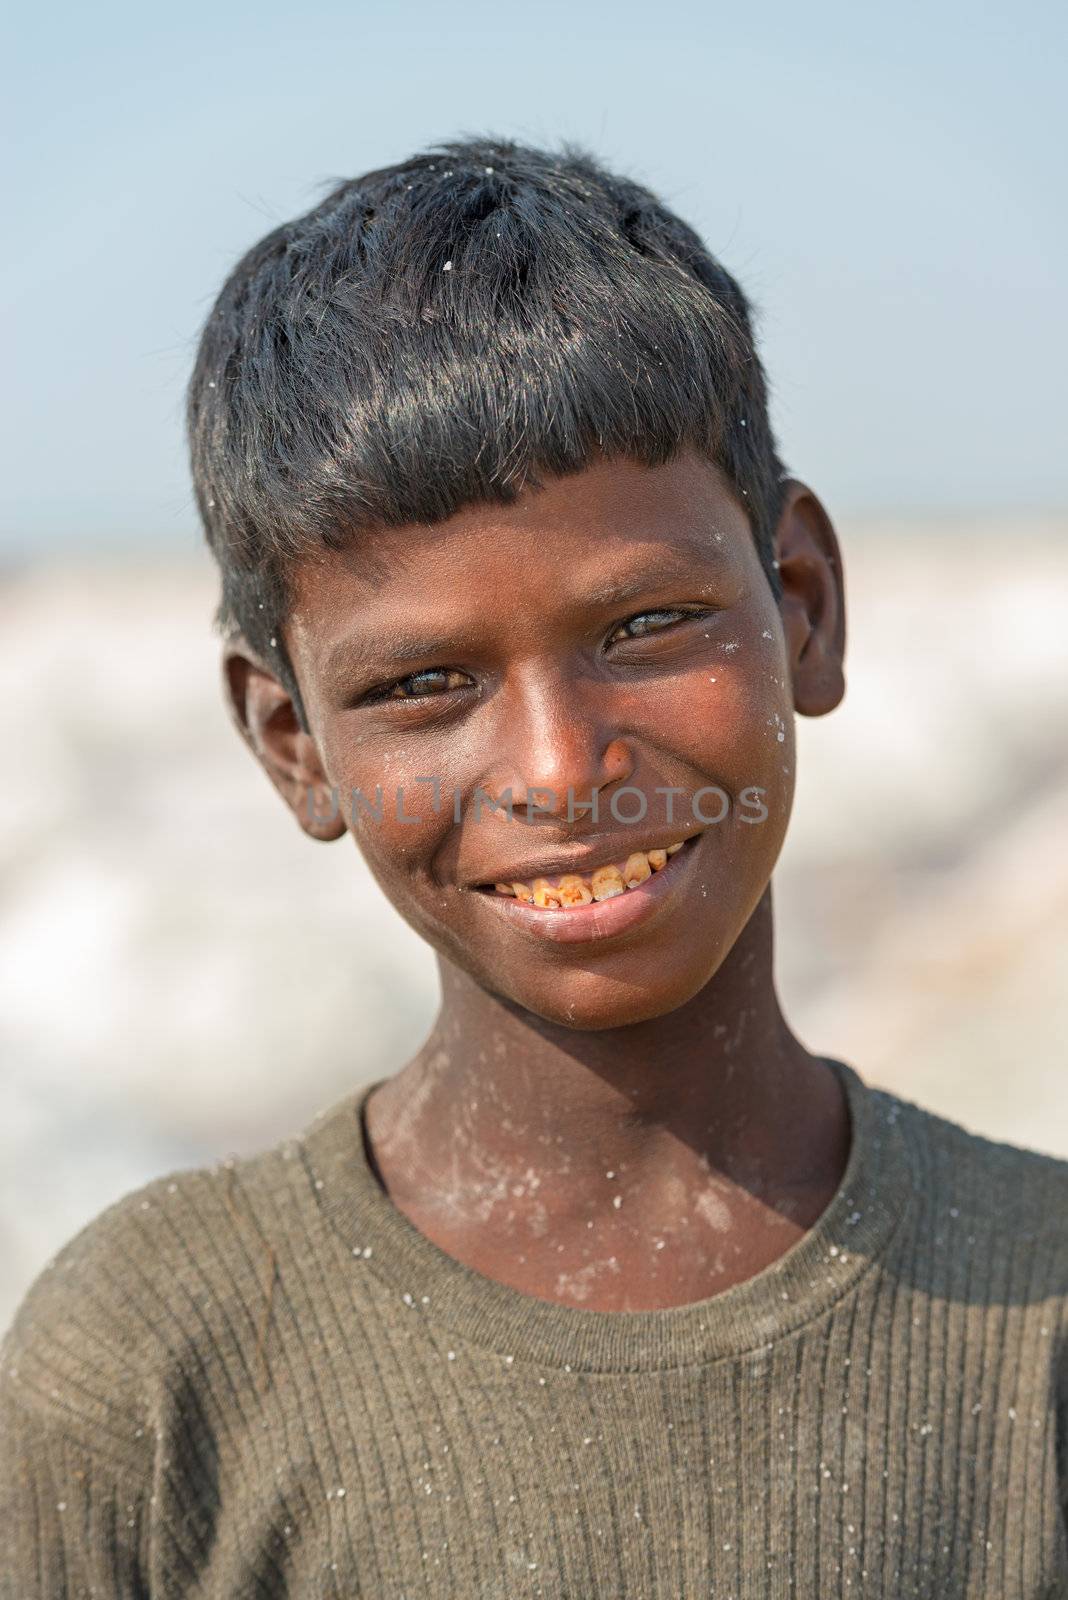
1061, 1401
72, 1523
77, 1446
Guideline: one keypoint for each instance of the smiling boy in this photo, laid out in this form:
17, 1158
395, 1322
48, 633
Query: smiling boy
615, 1289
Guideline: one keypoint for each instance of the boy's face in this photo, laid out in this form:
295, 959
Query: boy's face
611, 634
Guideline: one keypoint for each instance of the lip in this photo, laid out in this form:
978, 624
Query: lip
601, 919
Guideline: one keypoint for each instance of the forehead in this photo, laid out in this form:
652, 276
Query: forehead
593, 537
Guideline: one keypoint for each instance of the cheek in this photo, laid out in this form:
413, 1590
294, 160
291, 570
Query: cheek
766, 706
732, 718
395, 815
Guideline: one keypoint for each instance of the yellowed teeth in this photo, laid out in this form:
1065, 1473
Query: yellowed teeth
574, 890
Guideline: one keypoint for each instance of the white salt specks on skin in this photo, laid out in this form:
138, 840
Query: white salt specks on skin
452, 1355
617, 1201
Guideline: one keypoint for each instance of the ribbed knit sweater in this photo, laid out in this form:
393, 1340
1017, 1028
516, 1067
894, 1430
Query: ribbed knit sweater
261, 1379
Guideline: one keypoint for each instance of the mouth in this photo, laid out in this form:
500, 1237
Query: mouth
574, 889
606, 901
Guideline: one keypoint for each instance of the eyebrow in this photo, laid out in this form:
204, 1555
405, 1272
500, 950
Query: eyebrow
622, 591
357, 651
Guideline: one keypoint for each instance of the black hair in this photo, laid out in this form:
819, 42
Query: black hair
448, 331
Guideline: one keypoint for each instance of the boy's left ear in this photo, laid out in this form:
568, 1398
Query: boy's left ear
812, 604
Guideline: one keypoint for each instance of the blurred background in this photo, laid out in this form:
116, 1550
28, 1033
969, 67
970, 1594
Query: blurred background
182, 974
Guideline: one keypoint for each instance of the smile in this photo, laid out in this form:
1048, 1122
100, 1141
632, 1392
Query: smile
572, 889
604, 903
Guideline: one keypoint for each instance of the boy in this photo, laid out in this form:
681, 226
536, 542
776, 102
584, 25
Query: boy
615, 1289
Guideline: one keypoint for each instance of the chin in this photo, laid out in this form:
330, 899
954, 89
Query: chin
594, 1002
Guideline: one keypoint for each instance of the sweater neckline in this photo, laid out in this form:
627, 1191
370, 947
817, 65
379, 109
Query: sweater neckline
871, 1201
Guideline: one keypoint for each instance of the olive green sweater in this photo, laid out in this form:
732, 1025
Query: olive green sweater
262, 1380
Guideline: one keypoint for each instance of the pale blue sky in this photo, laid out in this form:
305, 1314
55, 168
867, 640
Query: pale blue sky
888, 185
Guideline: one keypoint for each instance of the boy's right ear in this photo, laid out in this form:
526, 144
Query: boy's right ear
264, 714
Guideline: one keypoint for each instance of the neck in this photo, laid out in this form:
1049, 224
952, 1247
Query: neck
508, 1127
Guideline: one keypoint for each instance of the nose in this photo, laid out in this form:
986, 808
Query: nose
554, 752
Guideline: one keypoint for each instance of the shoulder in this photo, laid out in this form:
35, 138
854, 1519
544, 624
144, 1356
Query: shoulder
138, 1295
1009, 1192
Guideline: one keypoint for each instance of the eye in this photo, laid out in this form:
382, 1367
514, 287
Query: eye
649, 622
422, 685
